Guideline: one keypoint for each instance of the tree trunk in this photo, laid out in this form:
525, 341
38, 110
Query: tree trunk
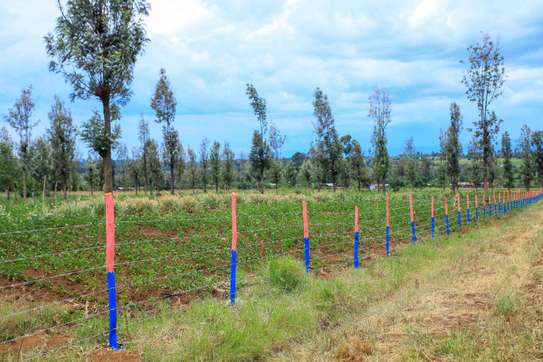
65, 193
106, 158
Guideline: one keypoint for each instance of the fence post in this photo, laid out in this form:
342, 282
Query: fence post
446, 206
459, 213
412, 219
234, 250
468, 211
387, 228
356, 237
433, 222
307, 257
110, 269
476, 208
494, 200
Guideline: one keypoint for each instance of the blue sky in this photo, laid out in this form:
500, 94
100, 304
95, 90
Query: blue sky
211, 49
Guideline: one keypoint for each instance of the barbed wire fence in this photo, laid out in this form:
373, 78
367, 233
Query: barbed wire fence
183, 258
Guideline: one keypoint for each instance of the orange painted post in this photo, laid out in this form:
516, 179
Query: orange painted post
110, 269
307, 256
476, 208
459, 218
412, 219
234, 250
387, 227
356, 238
446, 206
468, 211
433, 220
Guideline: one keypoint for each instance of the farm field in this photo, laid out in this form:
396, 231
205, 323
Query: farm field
172, 256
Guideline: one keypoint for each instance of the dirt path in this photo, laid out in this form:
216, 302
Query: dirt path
481, 302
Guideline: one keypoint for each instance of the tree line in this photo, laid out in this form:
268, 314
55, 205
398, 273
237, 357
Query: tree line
95, 46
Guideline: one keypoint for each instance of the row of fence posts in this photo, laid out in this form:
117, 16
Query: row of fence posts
500, 206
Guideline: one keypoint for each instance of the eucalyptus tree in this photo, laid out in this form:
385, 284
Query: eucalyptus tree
453, 147
507, 155
19, 117
192, 168
62, 136
537, 144
143, 136
358, 165
327, 141
527, 168
277, 140
484, 79
260, 155
42, 162
379, 111
204, 161
228, 168
9, 168
95, 45
215, 164
164, 104
411, 165
260, 159
91, 175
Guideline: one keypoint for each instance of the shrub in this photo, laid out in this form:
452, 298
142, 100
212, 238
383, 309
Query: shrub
506, 305
285, 273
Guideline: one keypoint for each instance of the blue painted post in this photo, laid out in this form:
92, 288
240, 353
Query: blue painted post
387, 228
234, 252
459, 213
476, 209
468, 211
446, 205
433, 223
412, 219
110, 269
307, 256
356, 238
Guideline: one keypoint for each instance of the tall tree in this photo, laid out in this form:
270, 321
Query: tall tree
122, 164
8, 164
215, 163
19, 118
156, 177
527, 169
192, 168
259, 108
507, 155
484, 81
328, 142
42, 162
134, 168
91, 175
260, 157
261, 154
164, 104
358, 165
475, 172
453, 146
95, 46
379, 111
346, 168
228, 165
411, 166
204, 161
277, 140
144, 135
537, 143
